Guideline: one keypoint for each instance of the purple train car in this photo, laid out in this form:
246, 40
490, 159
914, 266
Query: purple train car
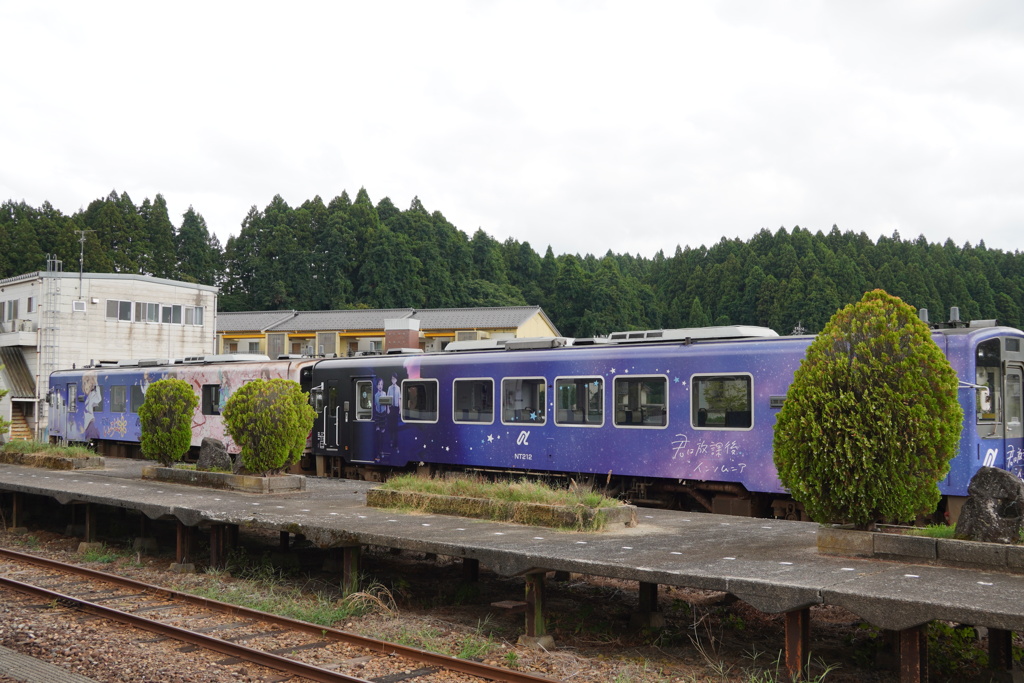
668, 417
100, 404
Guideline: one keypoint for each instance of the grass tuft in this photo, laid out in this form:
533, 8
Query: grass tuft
518, 491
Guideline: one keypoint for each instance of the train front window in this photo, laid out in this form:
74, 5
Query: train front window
1013, 399
988, 379
522, 400
641, 401
579, 401
721, 402
473, 400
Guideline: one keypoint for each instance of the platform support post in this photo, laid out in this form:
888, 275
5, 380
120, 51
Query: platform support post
470, 570
17, 509
90, 523
1000, 650
350, 555
183, 549
798, 633
647, 614
218, 553
914, 654
535, 624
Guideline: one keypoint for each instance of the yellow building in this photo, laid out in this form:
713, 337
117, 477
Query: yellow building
347, 332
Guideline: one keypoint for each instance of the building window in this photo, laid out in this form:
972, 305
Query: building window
194, 315
9, 309
118, 398
171, 314
721, 401
641, 401
579, 401
119, 310
211, 399
419, 401
473, 400
31, 304
254, 347
522, 400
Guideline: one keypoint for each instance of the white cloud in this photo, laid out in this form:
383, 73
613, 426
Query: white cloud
623, 126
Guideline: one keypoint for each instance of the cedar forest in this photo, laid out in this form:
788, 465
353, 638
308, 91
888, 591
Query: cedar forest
355, 254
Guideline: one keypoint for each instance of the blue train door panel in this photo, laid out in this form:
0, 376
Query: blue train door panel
332, 407
360, 428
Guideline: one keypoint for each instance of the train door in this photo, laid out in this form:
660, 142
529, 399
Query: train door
361, 431
331, 436
58, 417
999, 408
1013, 434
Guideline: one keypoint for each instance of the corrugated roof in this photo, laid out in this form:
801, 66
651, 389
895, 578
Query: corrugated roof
497, 317
468, 318
356, 319
17, 377
250, 321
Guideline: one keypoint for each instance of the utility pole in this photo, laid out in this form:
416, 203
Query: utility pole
81, 257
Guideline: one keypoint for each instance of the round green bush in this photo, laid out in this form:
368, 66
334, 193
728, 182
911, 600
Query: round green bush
871, 420
269, 421
165, 419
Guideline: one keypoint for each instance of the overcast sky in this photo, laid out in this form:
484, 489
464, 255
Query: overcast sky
587, 126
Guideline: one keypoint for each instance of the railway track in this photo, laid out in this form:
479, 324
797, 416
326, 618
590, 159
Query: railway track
295, 648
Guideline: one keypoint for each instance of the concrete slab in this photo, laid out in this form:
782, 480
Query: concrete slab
772, 564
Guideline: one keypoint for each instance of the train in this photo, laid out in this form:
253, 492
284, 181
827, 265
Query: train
678, 418
99, 404
673, 418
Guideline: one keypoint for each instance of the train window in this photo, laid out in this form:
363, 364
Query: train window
94, 398
1013, 398
419, 400
364, 399
211, 399
641, 401
721, 401
988, 379
118, 398
473, 400
137, 397
72, 397
579, 401
332, 398
522, 400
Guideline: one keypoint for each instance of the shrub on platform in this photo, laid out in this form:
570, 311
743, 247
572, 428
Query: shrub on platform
165, 419
269, 421
871, 419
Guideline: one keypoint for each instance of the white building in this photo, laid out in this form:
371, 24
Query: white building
54, 320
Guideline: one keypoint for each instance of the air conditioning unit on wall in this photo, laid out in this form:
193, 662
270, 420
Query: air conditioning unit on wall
472, 335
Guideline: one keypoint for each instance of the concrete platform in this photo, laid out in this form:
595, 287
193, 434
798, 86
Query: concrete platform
773, 565
19, 667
